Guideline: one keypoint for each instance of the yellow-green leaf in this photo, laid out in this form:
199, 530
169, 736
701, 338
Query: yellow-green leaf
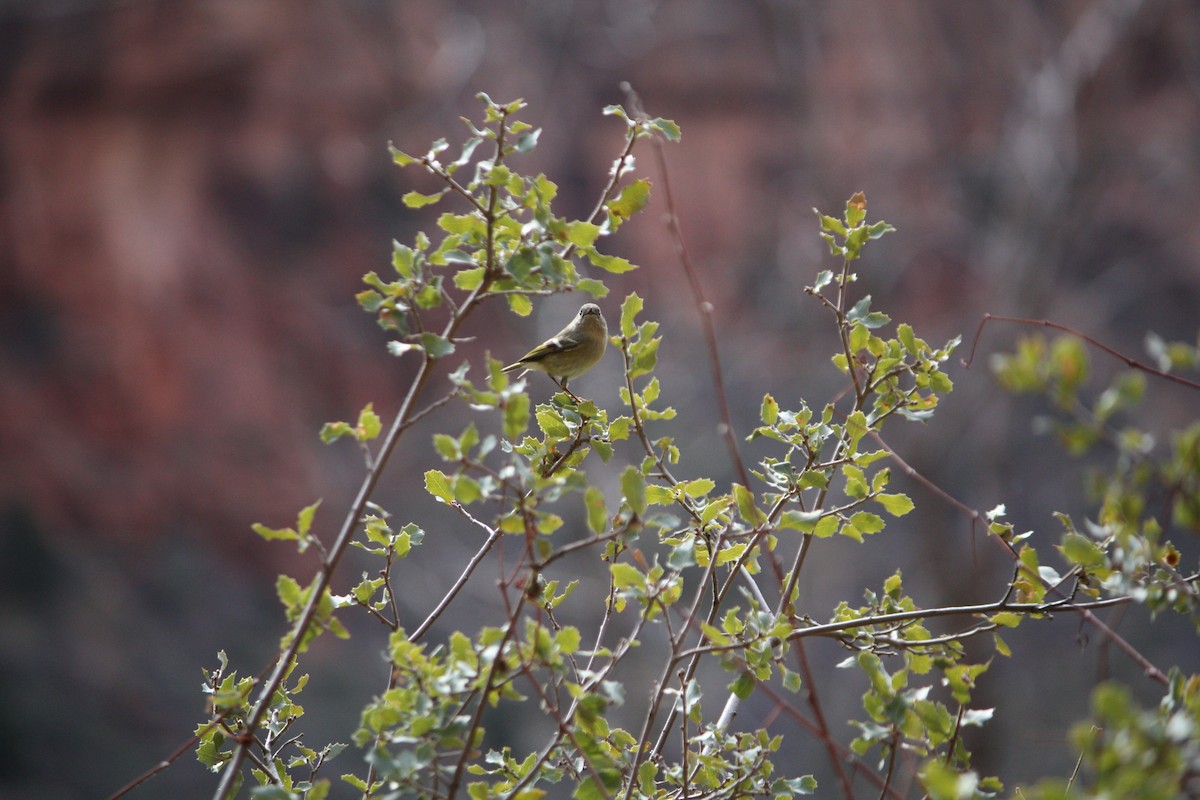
896, 504
597, 515
438, 485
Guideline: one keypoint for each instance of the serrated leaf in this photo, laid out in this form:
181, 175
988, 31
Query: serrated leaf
667, 128
369, 424
582, 233
469, 279
631, 199
826, 527
896, 504
593, 287
551, 423
659, 495
285, 534
867, 522
304, 519
436, 346
613, 264
438, 485
698, 487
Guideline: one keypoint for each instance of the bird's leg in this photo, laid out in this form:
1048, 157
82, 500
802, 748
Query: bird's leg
563, 385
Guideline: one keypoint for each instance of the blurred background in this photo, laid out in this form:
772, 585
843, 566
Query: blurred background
190, 193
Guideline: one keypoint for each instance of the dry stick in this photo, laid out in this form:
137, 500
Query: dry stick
1045, 323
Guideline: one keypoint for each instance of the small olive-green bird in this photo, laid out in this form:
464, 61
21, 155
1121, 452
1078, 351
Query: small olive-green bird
570, 352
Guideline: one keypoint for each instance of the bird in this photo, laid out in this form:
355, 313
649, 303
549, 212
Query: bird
570, 352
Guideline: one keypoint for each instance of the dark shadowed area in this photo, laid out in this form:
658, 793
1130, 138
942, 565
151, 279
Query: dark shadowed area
191, 192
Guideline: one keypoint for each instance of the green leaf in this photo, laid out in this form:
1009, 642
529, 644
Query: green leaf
831, 224
467, 489
332, 431
417, 200
469, 279
613, 264
633, 489
593, 287
582, 234
369, 425
743, 687
647, 772
631, 199
1008, 619
659, 495
446, 446
630, 309
403, 160
804, 521
626, 575
597, 515
551, 423
436, 346
867, 522
896, 504
403, 259
666, 127
438, 485
516, 416
305, 518
698, 487
826, 527
285, 534
520, 304
747, 510
731, 553
769, 411
856, 428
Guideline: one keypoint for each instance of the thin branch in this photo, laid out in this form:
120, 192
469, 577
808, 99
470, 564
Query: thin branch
1133, 363
166, 762
494, 535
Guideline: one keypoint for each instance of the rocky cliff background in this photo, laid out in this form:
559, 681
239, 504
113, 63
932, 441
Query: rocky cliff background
190, 193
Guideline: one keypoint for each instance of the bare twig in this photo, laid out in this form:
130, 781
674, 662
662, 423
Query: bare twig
1133, 363
494, 535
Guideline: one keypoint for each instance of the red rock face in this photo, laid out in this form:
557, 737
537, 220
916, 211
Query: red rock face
190, 193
